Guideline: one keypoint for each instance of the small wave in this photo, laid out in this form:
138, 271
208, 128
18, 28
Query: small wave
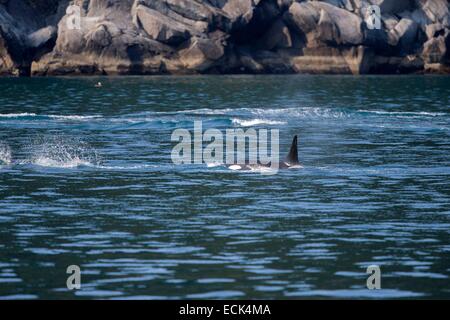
262, 170
207, 111
404, 113
300, 112
214, 164
75, 117
255, 122
5, 154
59, 163
44, 116
124, 167
303, 112
258, 169
17, 115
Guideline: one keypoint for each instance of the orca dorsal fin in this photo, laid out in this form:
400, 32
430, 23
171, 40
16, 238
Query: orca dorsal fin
292, 156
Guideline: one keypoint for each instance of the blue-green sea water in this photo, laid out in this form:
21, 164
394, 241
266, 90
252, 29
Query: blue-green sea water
86, 179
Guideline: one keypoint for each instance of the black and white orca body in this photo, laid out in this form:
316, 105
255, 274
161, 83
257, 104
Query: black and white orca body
290, 162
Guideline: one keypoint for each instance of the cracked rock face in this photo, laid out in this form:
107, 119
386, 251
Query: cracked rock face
63, 37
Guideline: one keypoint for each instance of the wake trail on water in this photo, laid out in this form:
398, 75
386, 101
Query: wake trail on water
247, 117
63, 153
221, 117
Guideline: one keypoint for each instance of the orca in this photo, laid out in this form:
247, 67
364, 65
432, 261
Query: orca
289, 162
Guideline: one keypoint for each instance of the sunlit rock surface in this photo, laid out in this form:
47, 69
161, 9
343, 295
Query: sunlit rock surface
222, 36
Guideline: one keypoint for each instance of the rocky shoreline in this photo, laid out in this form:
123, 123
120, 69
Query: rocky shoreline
116, 37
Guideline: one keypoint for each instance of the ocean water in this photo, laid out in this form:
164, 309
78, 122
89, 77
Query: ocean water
86, 179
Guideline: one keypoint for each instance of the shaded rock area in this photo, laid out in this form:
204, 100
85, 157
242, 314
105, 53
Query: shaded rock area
111, 37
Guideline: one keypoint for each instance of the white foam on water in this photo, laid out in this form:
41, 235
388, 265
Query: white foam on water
255, 122
58, 163
74, 117
61, 152
296, 166
214, 164
57, 117
263, 170
207, 111
17, 115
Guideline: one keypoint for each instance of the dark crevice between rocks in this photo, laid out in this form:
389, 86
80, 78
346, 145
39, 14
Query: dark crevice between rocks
264, 14
34, 54
246, 38
20, 49
134, 53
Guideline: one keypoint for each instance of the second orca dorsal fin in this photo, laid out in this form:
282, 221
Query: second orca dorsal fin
292, 156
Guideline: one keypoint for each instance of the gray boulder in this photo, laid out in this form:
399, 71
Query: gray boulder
201, 54
204, 36
159, 27
404, 34
327, 29
342, 25
107, 42
330, 60
197, 14
41, 37
435, 11
434, 30
437, 49
240, 11
389, 21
